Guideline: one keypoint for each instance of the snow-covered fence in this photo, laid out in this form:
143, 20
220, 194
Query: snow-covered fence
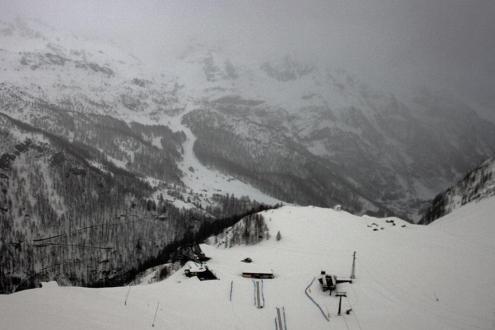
314, 301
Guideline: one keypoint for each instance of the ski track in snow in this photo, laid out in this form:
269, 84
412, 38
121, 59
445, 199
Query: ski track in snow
415, 277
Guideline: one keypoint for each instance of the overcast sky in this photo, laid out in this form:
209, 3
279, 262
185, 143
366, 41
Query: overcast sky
442, 42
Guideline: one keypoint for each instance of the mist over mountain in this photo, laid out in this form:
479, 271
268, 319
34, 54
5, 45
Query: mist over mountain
256, 144
297, 130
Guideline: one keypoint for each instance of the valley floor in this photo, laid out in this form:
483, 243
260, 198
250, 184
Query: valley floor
408, 277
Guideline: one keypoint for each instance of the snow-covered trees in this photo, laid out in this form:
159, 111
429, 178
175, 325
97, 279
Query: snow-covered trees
250, 229
67, 213
62, 218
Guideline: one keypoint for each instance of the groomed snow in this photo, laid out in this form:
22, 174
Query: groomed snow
414, 277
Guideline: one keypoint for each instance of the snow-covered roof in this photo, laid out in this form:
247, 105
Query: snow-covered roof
195, 267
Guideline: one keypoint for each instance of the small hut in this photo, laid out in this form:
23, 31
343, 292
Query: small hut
202, 272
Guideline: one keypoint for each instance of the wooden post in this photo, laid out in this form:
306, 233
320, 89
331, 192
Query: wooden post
353, 271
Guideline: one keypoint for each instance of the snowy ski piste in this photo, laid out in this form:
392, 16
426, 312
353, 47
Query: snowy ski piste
438, 276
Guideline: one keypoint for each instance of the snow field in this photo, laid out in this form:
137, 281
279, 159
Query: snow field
415, 277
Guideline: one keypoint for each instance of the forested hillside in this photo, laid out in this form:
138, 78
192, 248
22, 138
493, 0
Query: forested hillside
68, 214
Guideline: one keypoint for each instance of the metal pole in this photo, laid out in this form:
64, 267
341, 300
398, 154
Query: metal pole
262, 293
285, 319
353, 271
258, 294
127, 295
279, 317
254, 293
340, 303
156, 311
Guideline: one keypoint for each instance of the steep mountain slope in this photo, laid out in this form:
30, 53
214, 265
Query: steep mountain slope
478, 184
412, 277
96, 94
269, 159
89, 76
298, 131
70, 214
152, 150
393, 150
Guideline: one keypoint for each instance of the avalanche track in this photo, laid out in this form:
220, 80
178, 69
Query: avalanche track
202, 179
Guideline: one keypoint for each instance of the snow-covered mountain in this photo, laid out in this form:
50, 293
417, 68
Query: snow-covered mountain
407, 277
272, 128
71, 212
476, 185
310, 134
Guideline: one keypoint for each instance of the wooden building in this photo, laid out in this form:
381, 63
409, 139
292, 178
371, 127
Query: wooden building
259, 275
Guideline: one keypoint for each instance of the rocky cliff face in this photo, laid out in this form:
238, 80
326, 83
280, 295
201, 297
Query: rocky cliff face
151, 150
476, 185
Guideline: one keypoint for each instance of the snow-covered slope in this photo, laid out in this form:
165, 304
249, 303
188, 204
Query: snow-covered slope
207, 180
296, 130
407, 277
390, 150
65, 73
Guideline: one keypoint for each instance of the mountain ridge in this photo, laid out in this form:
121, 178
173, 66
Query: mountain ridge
397, 151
